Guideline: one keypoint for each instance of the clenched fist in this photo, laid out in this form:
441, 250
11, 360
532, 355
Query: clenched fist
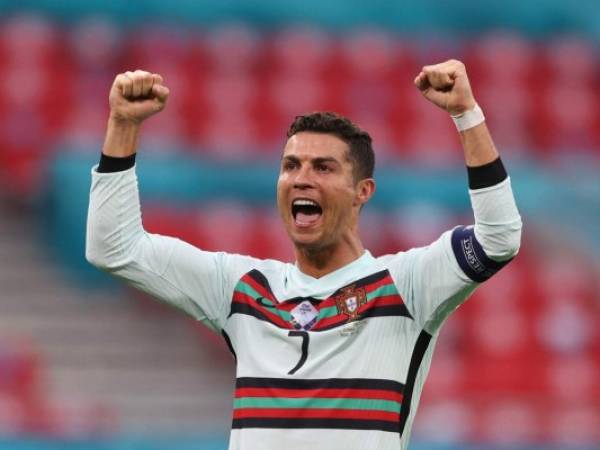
447, 86
135, 96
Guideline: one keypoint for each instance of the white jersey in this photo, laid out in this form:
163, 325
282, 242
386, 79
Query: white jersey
336, 363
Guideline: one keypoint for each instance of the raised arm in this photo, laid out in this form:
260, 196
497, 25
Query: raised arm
444, 273
497, 221
116, 242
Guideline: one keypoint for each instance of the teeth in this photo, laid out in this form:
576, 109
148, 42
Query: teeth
304, 202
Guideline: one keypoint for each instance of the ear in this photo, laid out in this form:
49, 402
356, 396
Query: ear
365, 189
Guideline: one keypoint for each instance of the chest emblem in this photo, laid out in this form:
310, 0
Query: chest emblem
304, 316
372, 296
350, 301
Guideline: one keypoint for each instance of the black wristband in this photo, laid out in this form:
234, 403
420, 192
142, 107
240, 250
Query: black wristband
487, 175
115, 164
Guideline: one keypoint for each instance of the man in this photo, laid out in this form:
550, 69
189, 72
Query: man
332, 351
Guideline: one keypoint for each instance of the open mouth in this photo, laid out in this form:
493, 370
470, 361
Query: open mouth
306, 212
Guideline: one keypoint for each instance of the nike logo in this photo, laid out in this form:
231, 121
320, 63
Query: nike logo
263, 302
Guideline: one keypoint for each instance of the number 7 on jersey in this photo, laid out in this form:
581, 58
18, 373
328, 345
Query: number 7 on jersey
305, 339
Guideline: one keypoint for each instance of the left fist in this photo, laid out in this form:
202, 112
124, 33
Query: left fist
447, 86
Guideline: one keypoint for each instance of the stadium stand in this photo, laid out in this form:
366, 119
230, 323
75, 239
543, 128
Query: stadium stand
75, 363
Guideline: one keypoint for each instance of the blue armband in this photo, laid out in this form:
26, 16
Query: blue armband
471, 257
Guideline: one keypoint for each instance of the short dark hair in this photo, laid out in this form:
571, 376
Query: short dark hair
359, 142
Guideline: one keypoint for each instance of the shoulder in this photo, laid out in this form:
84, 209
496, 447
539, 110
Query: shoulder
238, 265
244, 263
267, 275
400, 264
443, 242
405, 262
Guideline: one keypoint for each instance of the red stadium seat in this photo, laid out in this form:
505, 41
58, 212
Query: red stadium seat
19, 371
294, 79
507, 108
293, 95
233, 49
571, 60
85, 126
505, 58
369, 54
31, 40
226, 227
424, 146
95, 45
299, 52
570, 128
152, 46
269, 238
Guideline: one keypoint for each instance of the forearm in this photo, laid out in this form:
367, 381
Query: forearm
121, 138
497, 220
478, 146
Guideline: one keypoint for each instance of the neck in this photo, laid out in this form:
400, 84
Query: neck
318, 262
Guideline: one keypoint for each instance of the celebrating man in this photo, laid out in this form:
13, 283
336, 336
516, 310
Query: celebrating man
332, 351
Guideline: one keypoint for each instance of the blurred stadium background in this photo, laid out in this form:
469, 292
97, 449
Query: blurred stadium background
87, 364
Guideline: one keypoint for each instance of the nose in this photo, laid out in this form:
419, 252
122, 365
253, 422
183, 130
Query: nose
303, 178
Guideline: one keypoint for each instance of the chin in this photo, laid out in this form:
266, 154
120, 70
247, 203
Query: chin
303, 239
309, 242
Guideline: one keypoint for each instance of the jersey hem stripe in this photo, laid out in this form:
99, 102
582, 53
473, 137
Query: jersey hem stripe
317, 423
320, 383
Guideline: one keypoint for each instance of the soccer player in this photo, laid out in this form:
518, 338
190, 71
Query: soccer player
333, 350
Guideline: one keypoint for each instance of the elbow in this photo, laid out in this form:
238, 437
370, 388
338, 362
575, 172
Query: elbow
100, 255
95, 257
93, 249
503, 243
105, 254
95, 244
512, 242
103, 261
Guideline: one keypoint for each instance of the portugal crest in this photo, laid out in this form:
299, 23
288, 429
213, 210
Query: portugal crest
350, 301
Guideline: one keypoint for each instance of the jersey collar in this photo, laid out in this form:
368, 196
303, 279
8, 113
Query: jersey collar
301, 284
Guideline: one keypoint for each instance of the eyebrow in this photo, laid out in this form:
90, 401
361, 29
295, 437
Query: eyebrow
319, 160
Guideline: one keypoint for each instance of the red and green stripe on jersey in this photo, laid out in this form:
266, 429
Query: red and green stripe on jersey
336, 403
373, 296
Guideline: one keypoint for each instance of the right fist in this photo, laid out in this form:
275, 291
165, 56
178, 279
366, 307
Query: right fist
135, 96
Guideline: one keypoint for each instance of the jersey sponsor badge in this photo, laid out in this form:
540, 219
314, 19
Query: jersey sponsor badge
350, 301
304, 315
352, 328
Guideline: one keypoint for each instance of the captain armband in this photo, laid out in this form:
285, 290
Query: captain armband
471, 257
